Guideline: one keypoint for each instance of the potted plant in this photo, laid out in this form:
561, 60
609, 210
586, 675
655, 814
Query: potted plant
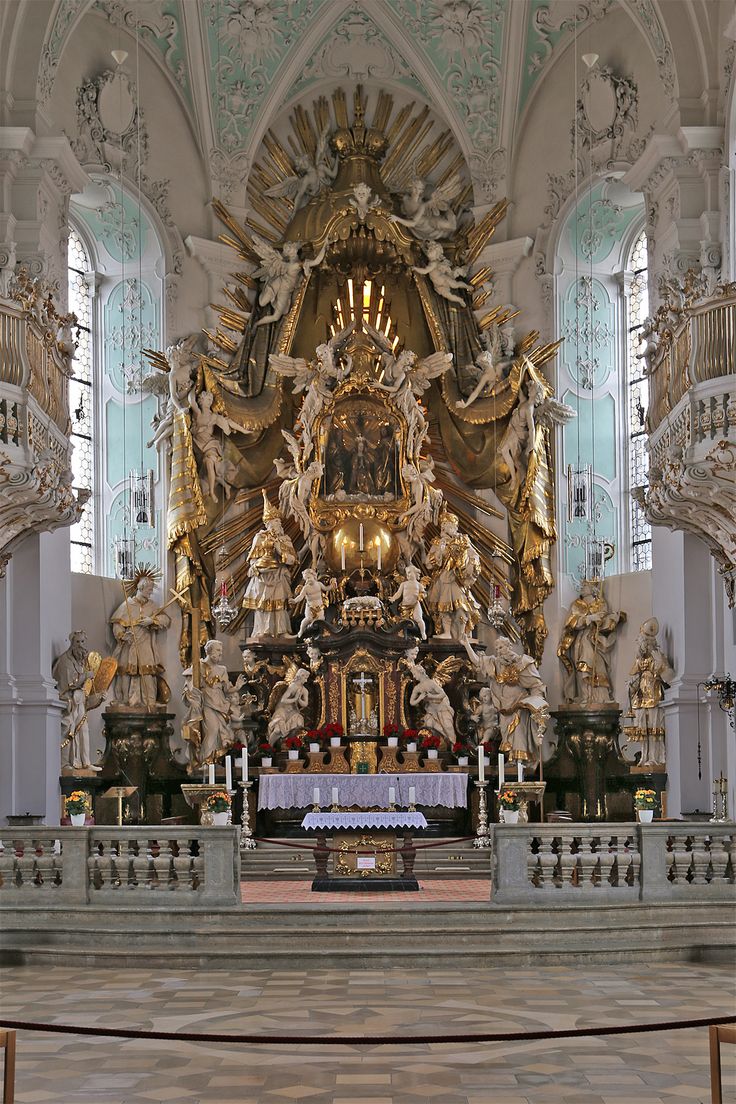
391, 732
410, 736
460, 749
314, 739
432, 745
293, 745
266, 753
334, 731
509, 804
77, 805
645, 802
218, 804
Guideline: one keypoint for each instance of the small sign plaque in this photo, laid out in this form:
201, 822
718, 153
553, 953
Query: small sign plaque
365, 862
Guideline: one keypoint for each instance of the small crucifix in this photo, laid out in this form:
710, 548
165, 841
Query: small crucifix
363, 683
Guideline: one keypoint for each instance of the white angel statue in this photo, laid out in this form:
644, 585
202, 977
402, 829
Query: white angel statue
317, 380
280, 273
173, 383
287, 703
426, 500
445, 277
310, 177
534, 408
428, 693
314, 594
492, 364
205, 421
298, 479
432, 217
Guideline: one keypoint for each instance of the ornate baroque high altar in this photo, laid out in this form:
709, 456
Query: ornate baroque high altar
362, 288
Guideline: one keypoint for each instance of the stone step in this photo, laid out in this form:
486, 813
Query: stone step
270, 861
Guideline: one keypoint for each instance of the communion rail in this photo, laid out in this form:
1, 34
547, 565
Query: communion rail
535, 864
179, 868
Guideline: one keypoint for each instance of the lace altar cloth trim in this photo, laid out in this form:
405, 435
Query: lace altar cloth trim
296, 791
334, 821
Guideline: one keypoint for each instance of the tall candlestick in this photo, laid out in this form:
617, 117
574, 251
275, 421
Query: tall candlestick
244, 765
334, 795
412, 795
315, 796
519, 771
481, 764
212, 774
228, 772
501, 770
360, 537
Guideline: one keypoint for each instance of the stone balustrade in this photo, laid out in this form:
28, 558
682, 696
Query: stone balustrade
188, 867
538, 864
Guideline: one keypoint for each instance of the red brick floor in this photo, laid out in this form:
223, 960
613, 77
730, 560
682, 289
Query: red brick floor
430, 891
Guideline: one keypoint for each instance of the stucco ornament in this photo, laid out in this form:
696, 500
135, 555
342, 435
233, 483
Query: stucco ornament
607, 108
110, 122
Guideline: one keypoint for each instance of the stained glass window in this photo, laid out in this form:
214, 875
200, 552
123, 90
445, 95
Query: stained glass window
81, 401
638, 400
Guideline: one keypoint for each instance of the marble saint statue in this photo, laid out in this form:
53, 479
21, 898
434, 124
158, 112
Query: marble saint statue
585, 648
288, 711
211, 707
137, 624
270, 561
71, 671
519, 695
429, 696
454, 566
650, 676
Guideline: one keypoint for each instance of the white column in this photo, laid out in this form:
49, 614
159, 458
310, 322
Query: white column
38, 604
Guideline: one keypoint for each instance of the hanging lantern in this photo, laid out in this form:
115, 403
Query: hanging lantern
496, 612
597, 553
141, 496
125, 556
223, 610
579, 492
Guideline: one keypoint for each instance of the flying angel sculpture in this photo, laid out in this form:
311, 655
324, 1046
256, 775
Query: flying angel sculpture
317, 379
310, 177
280, 273
535, 408
432, 217
173, 381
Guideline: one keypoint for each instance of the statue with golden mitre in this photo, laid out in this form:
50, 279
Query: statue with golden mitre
270, 562
650, 676
454, 567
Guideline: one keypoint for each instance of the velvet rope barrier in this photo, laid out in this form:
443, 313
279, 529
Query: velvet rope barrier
353, 851
368, 1040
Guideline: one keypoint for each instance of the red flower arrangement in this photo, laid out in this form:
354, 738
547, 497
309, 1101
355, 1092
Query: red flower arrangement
409, 735
237, 745
390, 730
293, 743
431, 743
334, 728
265, 749
459, 748
314, 735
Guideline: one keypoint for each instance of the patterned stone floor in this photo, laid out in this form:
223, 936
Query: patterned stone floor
284, 891
643, 1069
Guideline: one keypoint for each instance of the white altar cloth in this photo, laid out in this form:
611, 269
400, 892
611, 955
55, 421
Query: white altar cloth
296, 791
335, 821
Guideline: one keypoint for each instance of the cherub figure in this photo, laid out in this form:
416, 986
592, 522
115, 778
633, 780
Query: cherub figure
426, 500
485, 716
361, 201
310, 177
433, 217
280, 273
409, 594
205, 421
445, 277
492, 364
313, 593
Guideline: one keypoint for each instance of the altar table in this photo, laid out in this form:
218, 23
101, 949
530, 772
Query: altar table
364, 858
296, 791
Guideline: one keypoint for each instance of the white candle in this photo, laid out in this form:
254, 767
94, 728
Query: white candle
378, 552
519, 771
360, 536
334, 795
244, 765
501, 770
228, 772
342, 555
391, 795
315, 795
412, 795
212, 774
481, 765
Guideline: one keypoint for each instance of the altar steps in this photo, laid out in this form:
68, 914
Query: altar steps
270, 861
299, 936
